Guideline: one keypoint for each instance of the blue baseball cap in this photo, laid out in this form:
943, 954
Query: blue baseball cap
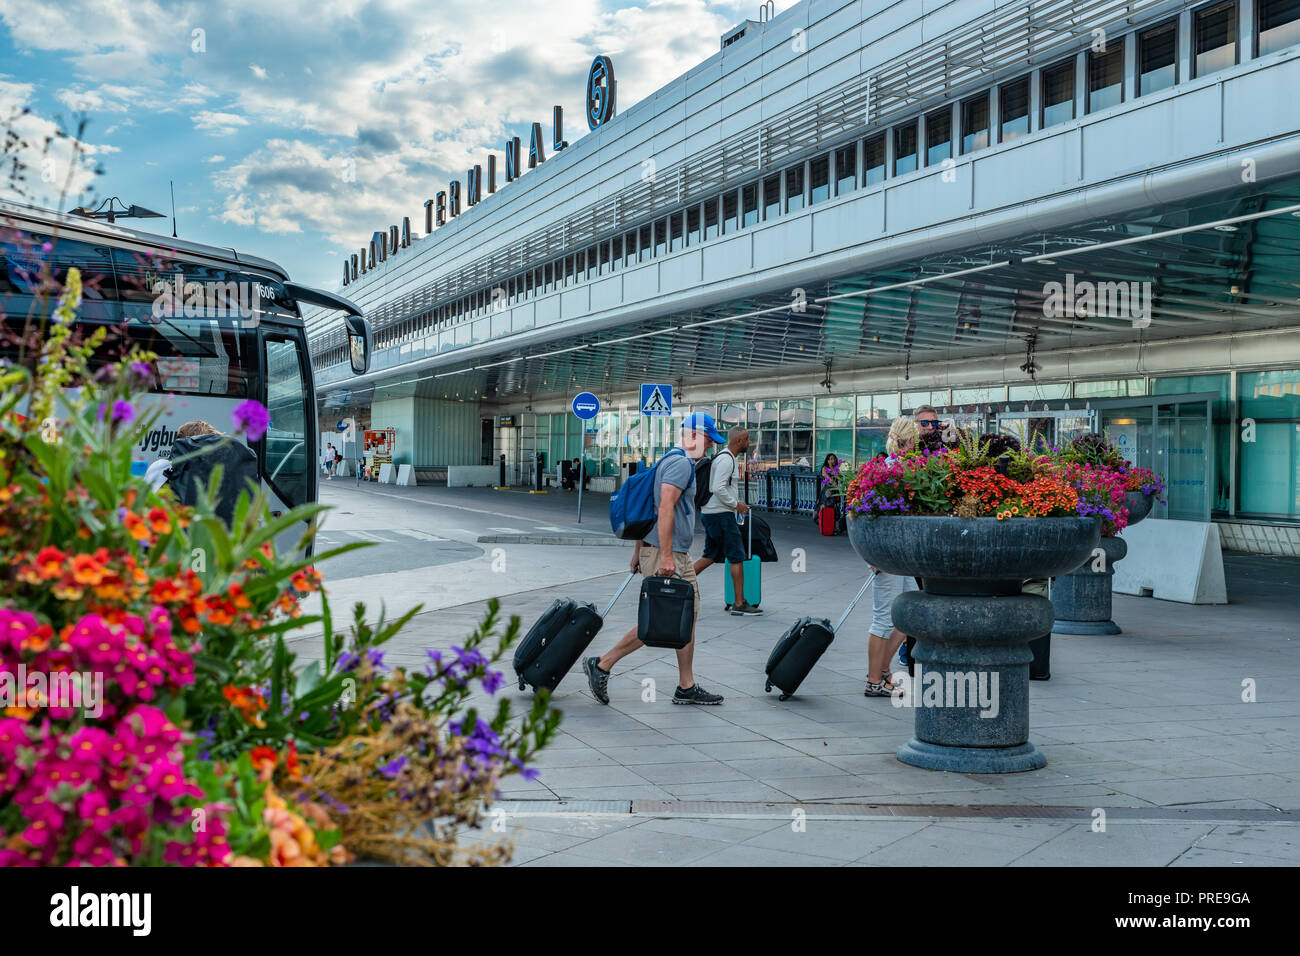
701, 422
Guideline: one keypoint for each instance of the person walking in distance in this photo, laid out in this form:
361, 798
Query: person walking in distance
721, 515
666, 551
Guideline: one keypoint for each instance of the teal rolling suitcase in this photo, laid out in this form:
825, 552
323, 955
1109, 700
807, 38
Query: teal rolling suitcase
753, 575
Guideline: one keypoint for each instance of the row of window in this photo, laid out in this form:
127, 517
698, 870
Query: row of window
926, 140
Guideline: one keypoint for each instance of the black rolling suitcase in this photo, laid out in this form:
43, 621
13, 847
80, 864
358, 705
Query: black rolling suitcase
552, 645
801, 647
666, 615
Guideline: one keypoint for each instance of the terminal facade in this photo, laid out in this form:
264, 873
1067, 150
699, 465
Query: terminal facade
1041, 218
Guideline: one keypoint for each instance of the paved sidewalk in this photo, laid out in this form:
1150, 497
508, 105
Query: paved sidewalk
1153, 719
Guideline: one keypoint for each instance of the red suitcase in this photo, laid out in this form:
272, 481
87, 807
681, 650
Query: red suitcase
826, 520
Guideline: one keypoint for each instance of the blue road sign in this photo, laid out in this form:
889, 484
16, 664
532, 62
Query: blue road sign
656, 399
586, 405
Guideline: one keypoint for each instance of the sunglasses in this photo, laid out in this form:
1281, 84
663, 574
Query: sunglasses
929, 424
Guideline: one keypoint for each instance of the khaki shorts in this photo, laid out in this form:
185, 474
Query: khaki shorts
682, 562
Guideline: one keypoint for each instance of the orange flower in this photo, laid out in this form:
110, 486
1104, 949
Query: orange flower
291, 761
248, 701
49, 562
86, 570
262, 757
136, 526
159, 523
238, 597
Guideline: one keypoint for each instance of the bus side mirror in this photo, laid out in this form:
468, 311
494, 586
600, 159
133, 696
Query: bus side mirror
358, 329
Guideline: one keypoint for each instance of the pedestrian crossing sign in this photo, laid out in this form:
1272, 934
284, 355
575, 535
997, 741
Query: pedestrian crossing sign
656, 399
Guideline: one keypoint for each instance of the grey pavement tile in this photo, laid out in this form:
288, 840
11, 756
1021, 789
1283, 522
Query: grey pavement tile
729, 830
827, 748
670, 753
600, 739
639, 846
525, 854
743, 791
1227, 858
719, 731
581, 827
695, 771
794, 765
1125, 843
1275, 840
744, 855
563, 779
729, 750
845, 840
827, 788
569, 859
587, 756
644, 791
1173, 791
525, 834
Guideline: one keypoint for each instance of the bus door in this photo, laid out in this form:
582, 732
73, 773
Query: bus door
289, 446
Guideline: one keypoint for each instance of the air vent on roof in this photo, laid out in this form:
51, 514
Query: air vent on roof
737, 33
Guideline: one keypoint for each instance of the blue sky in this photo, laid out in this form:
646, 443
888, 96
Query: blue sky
261, 110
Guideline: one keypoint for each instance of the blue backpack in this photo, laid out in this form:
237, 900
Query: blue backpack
632, 507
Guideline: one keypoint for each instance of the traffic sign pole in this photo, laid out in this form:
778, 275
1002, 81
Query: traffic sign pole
586, 406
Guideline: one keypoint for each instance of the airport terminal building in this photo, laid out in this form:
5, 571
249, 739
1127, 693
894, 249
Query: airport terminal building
1037, 216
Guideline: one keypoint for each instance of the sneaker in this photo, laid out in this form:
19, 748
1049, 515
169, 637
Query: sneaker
902, 654
696, 695
745, 608
597, 678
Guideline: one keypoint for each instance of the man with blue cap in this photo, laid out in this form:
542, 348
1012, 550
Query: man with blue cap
674, 496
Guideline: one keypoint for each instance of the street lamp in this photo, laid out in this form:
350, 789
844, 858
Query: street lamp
112, 214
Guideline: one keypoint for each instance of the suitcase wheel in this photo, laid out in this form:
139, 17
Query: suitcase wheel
522, 683
767, 689
784, 697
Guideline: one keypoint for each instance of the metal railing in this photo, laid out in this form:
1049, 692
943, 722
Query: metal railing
1022, 34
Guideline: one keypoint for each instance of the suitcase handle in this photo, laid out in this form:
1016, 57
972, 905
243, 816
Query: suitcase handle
854, 603
617, 594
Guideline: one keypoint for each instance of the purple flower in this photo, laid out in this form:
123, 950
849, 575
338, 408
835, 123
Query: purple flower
123, 412
492, 681
251, 419
393, 768
99, 416
141, 370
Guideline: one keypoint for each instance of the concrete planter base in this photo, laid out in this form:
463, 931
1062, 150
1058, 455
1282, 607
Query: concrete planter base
1081, 599
972, 626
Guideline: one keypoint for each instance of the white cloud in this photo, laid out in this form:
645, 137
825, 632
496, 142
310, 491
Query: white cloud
54, 170
218, 124
215, 159
258, 71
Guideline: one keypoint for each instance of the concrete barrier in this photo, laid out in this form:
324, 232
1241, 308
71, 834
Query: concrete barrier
386, 473
405, 475
472, 476
1174, 561
604, 485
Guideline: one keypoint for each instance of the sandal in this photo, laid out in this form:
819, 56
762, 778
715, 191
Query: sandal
875, 690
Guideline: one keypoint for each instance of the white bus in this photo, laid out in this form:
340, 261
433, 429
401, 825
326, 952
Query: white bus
226, 327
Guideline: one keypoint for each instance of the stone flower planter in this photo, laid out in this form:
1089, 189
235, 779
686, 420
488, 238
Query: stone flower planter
1082, 598
972, 626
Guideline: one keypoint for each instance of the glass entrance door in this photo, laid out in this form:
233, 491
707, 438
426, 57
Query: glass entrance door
1050, 427
1171, 435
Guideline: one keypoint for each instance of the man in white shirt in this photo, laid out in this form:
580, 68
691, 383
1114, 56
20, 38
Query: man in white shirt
722, 536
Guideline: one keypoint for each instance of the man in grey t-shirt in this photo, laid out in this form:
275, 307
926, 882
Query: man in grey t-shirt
675, 522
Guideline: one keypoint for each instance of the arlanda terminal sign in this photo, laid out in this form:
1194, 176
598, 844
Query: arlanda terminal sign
446, 204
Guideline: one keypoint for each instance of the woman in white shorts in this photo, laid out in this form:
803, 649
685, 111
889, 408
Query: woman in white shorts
883, 641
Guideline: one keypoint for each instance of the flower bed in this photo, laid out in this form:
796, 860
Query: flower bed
150, 712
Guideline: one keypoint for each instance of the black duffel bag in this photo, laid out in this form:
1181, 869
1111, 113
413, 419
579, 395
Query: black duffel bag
666, 614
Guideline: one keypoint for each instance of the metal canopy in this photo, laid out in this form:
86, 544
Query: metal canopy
1205, 277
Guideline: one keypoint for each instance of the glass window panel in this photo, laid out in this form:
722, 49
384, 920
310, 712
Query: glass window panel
580, 267
1106, 389
801, 448
979, 395
617, 258
1279, 24
1265, 395
975, 123
763, 415
676, 235
644, 243
1270, 480
1038, 392
904, 149
1106, 77
873, 159
711, 219
794, 188
661, 237
938, 136
877, 409
935, 397
730, 212
871, 442
1058, 93
797, 413
693, 225
604, 258
629, 247
835, 412
591, 261
833, 441
1158, 58
819, 179
749, 204
1013, 107
1214, 38
771, 197
846, 163
732, 414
